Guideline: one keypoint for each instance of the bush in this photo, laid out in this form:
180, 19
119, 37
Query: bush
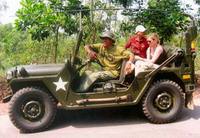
197, 61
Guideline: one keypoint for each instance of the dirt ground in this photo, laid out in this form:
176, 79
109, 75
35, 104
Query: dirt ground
4, 90
3, 108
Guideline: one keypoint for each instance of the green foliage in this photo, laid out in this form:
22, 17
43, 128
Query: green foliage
175, 40
125, 3
101, 21
18, 48
197, 60
164, 17
198, 18
10, 43
44, 18
197, 1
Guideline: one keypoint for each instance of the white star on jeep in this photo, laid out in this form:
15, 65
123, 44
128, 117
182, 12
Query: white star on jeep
60, 84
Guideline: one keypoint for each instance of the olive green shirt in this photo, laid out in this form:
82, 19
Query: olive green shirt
111, 58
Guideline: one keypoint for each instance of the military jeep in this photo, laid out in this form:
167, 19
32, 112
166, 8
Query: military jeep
37, 90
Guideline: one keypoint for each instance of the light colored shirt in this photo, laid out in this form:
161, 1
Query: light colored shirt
154, 54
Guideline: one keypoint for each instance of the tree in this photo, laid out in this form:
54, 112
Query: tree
197, 1
99, 22
125, 3
198, 17
44, 18
12, 44
162, 16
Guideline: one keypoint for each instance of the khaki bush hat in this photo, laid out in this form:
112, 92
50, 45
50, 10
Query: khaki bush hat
108, 34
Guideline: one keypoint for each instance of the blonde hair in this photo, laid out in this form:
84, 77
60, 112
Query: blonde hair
156, 36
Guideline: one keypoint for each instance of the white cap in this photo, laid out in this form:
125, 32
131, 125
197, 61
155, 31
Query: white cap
140, 28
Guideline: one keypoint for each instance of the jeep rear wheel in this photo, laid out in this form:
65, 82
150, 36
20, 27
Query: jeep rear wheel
163, 102
32, 109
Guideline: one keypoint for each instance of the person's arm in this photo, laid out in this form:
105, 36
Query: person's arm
92, 54
140, 58
131, 58
148, 53
128, 44
156, 54
129, 64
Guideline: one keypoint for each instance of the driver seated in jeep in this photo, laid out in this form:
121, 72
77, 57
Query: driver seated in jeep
109, 56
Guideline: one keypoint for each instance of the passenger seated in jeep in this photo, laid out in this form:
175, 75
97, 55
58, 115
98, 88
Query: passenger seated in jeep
109, 56
138, 43
156, 55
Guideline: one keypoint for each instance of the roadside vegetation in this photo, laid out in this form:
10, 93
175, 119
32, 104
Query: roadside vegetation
45, 31
17, 48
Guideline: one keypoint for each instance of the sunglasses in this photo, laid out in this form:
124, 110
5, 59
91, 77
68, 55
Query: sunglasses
152, 39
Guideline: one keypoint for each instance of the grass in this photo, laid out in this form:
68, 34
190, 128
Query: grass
2, 73
197, 61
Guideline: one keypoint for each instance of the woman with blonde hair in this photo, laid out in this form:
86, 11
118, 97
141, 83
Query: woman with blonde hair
155, 52
156, 55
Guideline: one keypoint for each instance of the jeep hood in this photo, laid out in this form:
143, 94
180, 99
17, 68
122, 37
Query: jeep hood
36, 70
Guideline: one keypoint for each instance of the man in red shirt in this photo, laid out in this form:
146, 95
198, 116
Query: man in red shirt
138, 43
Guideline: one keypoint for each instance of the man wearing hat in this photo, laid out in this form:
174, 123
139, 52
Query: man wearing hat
138, 43
109, 56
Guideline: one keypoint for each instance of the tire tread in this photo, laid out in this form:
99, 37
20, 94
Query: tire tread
146, 111
22, 92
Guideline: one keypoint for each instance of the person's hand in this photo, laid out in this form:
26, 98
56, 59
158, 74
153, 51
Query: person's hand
92, 54
129, 67
139, 58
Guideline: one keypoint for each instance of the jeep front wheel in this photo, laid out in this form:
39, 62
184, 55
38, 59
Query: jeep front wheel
163, 102
32, 109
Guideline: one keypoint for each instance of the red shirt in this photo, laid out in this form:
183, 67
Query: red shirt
138, 47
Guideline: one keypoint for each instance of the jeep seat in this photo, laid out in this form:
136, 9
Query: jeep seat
122, 76
170, 50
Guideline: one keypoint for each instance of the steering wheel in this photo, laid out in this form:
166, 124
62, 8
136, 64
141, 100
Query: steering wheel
83, 64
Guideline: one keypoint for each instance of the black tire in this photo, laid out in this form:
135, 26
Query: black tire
163, 102
32, 110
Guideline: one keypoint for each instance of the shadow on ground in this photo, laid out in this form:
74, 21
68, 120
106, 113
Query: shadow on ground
111, 117
99, 117
190, 114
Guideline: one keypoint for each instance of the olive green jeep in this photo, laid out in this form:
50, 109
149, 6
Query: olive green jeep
37, 90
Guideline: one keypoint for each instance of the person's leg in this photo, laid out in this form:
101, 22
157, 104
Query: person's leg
141, 66
91, 77
102, 75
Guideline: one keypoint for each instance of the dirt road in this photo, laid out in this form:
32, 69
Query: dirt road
106, 123
117, 123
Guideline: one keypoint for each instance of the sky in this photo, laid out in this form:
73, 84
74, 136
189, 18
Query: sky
9, 15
